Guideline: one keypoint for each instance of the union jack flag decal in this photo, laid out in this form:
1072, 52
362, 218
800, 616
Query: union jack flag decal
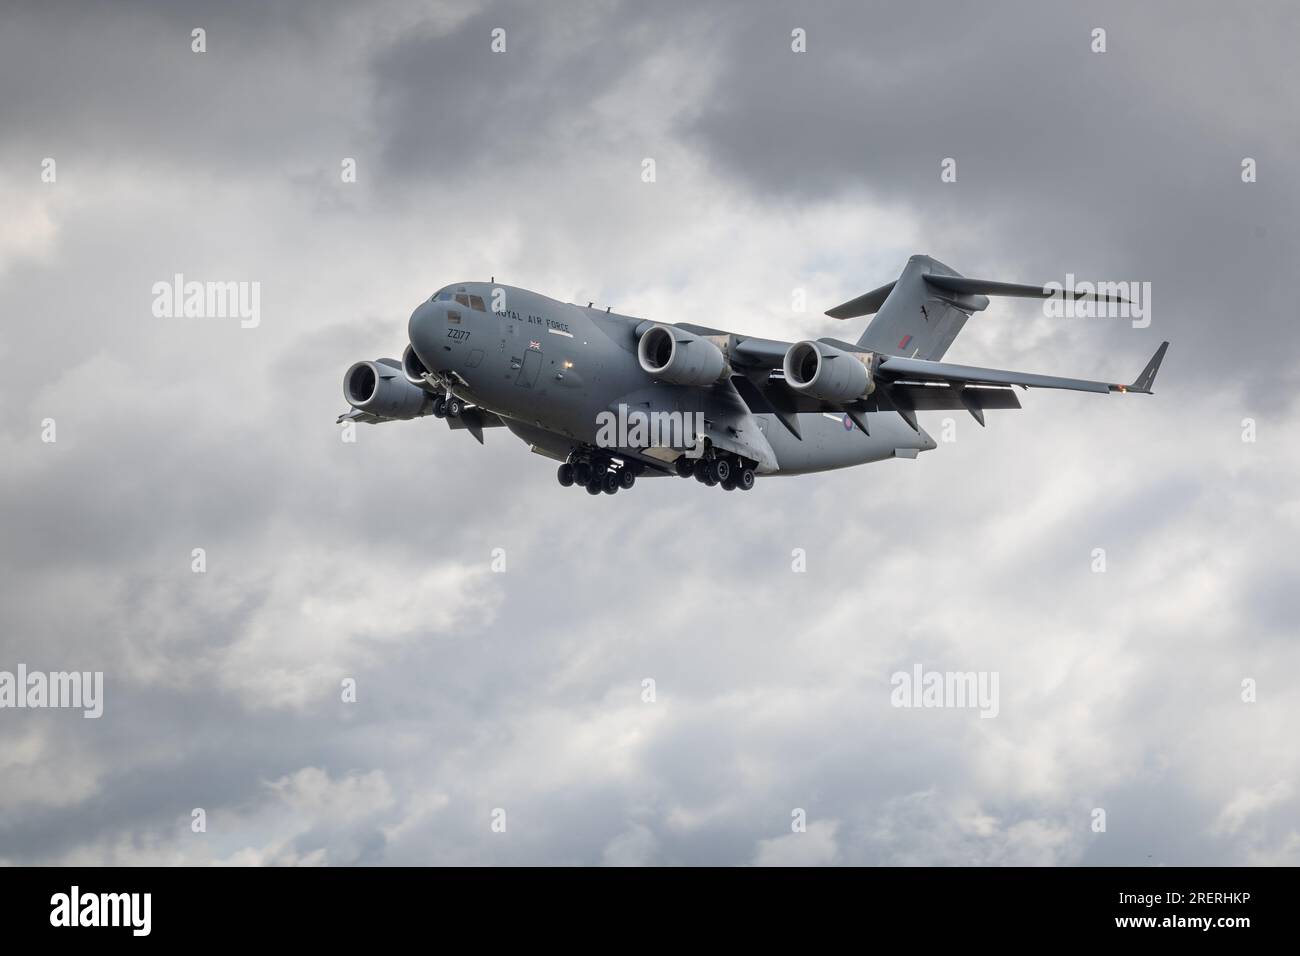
536, 346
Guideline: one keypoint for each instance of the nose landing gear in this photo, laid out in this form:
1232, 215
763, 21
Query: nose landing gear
447, 406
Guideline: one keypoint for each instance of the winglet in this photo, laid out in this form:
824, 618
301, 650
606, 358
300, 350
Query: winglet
1142, 384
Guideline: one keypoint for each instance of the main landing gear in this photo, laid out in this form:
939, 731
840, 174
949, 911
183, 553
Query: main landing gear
729, 471
598, 473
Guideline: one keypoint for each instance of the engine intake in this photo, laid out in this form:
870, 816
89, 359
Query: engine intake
677, 356
415, 371
827, 373
380, 389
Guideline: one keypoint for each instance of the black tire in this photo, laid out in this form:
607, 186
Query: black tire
582, 473
627, 477
454, 407
439, 407
593, 487
565, 474
728, 485
685, 467
745, 480
610, 482
721, 469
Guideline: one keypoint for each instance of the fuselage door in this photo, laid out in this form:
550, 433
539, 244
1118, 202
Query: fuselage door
532, 364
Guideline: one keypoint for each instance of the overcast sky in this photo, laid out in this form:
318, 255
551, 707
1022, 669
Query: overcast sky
523, 690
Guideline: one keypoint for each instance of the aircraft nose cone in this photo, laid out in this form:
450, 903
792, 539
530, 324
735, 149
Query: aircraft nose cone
422, 331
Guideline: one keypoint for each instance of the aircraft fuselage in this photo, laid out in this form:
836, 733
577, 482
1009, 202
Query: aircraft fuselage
550, 368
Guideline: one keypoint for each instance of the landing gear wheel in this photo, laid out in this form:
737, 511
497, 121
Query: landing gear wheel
439, 408
611, 482
593, 487
745, 480
454, 407
565, 474
582, 473
684, 466
728, 485
721, 469
626, 477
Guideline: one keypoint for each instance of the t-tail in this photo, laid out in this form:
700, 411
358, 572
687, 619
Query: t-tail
920, 313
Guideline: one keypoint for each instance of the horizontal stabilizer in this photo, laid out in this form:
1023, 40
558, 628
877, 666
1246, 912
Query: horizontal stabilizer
962, 285
866, 304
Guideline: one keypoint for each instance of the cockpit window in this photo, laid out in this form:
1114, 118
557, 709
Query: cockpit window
462, 299
476, 303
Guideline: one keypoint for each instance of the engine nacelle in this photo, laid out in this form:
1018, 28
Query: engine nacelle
825, 372
382, 390
674, 355
415, 372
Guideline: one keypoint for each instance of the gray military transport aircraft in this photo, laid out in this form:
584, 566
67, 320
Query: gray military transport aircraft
614, 398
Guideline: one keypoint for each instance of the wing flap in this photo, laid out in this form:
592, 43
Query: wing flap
929, 398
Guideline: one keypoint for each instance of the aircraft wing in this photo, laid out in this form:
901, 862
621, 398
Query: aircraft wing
759, 353
904, 385
899, 369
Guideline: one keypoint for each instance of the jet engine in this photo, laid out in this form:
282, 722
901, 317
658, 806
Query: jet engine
415, 371
825, 372
380, 389
674, 355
